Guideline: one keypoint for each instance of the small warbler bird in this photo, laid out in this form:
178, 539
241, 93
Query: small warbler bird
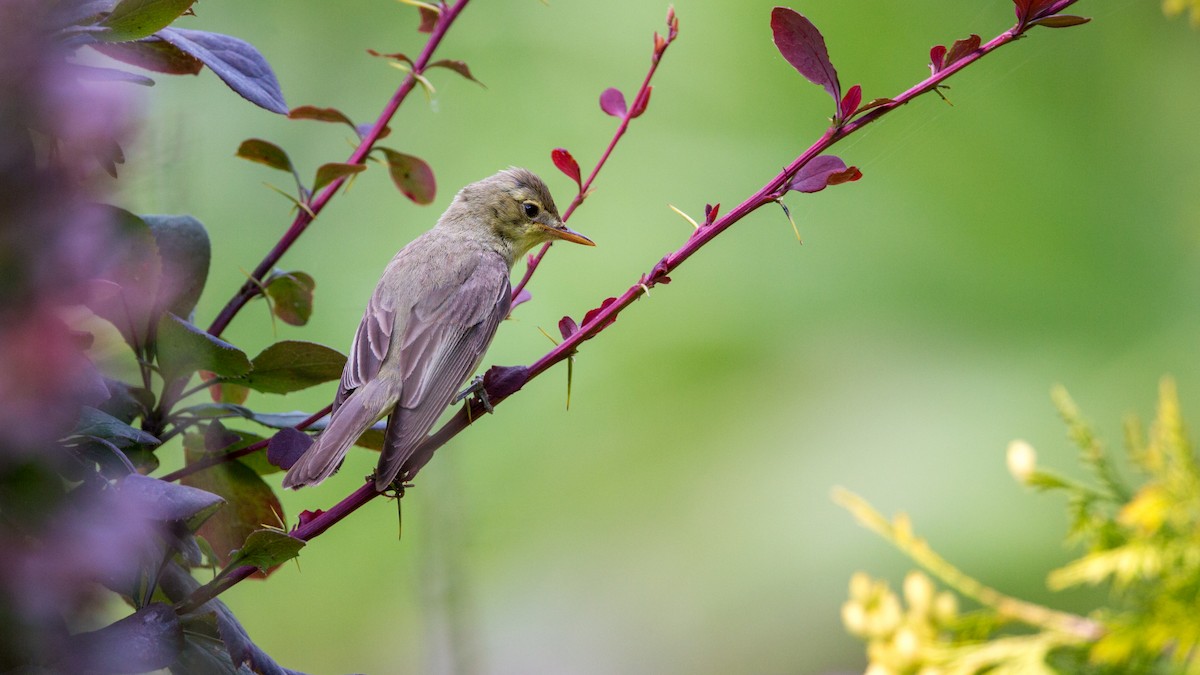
430, 319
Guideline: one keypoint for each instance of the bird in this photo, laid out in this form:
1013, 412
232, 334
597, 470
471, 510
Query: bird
430, 319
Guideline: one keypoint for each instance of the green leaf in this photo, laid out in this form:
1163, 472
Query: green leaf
266, 549
293, 365
291, 295
236, 62
133, 19
99, 424
327, 173
265, 152
185, 251
183, 349
412, 175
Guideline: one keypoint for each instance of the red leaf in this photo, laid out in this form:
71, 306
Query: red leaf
587, 318
821, 172
937, 58
640, 103
566, 164
850, 102
429, 19
1060, 21
567, 327
961, 49
612, 101
801, 45
1030, 9
459, 67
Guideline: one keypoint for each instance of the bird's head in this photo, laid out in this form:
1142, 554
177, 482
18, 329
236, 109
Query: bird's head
518, 208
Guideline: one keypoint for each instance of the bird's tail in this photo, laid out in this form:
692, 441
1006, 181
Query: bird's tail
356, 414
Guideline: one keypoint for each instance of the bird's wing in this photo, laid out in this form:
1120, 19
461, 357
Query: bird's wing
442, 343
370, 345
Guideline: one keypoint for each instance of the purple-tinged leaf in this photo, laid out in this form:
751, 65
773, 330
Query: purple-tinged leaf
801, 44
286, 446
592, 313
429, 19
134, 19
185, 250
567, 327
153, 54
672, 23
566, 163
291, 296
522, 297
265, 152
875, 103
504, 381
149, 639
1060, 21
850, 102
312, 112
612, 102
395, 56
960, 50
411, 175
710, 212
327, 173
97, 423
822, 171
307, 516
640, 103
1028, 10
236, 62
459, 67
168, 502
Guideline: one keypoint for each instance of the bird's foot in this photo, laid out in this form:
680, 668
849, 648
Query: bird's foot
476, 387
396, 489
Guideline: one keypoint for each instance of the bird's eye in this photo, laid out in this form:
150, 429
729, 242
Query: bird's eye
531, 209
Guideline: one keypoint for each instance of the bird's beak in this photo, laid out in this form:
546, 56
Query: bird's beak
563, 232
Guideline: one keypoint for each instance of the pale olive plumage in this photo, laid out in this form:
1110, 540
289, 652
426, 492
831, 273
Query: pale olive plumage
431, 318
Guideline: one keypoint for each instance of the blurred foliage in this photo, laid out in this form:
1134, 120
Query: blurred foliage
1142, 543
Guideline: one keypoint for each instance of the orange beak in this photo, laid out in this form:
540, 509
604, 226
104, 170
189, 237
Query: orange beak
567, 234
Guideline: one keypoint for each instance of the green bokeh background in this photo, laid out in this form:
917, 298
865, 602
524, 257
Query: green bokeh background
1042, 230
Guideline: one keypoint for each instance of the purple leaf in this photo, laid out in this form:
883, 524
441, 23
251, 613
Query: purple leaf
152, 54
149, 639
960, 50
801, 44
235, 61
286, 446
523, 296
504, 381
567, 327
612, 101
821, 172
937, 58
566, 164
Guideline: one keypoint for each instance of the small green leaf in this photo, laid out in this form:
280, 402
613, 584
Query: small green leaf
266, 549
99, 424
265, 152
293, 365
412, 175
292, 296
183, 349
327, 173
133, 19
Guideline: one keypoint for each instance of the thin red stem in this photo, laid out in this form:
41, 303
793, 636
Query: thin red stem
303, 218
